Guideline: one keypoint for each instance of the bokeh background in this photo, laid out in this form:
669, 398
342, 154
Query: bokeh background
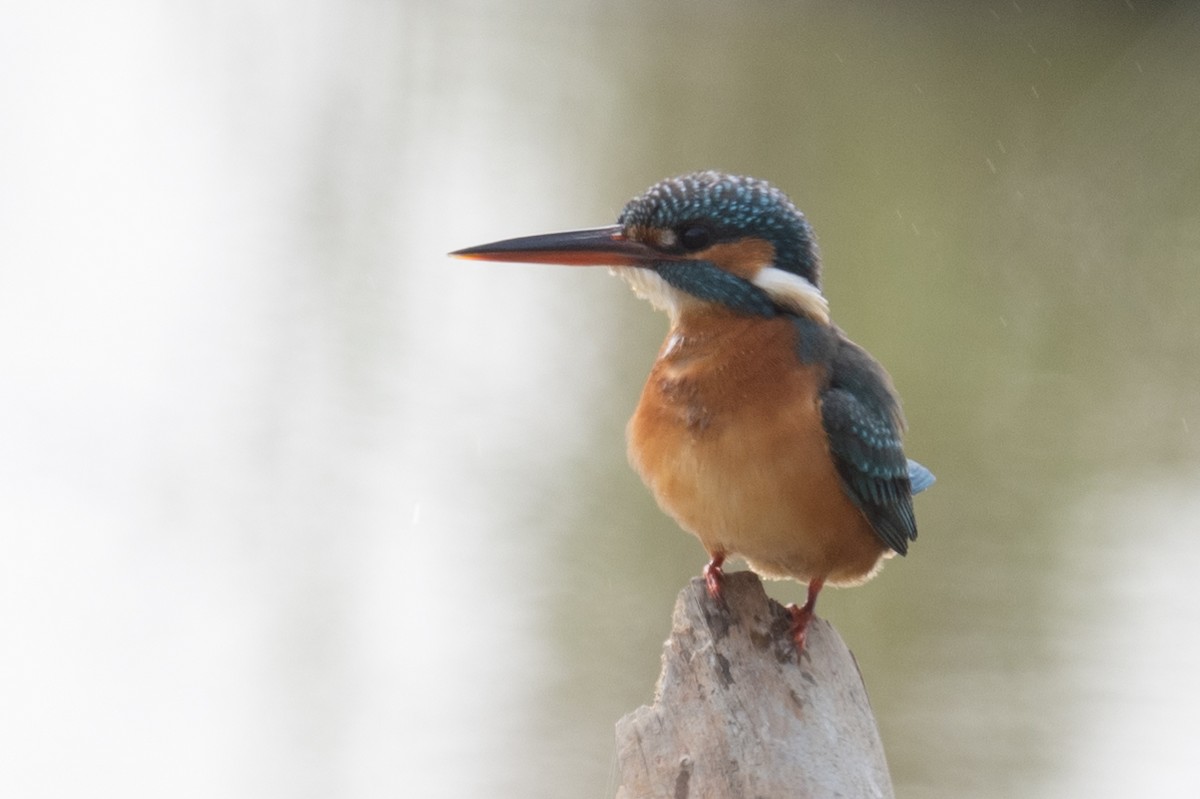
292, 505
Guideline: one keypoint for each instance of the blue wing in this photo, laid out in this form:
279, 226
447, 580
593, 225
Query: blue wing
862, 419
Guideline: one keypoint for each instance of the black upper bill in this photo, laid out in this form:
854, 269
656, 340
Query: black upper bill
605, 246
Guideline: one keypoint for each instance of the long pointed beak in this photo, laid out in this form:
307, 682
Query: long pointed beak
602, 246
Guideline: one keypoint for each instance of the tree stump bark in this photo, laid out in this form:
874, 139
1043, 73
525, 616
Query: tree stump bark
738, 716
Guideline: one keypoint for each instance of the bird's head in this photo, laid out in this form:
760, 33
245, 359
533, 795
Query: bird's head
697, 240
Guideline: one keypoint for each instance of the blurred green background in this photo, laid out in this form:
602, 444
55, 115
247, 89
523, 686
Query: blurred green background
293, 505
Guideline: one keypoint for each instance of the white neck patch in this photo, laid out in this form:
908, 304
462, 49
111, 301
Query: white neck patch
789, 290
793, 292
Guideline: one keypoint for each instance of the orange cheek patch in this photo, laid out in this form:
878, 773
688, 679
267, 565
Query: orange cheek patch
743, 258
651, 237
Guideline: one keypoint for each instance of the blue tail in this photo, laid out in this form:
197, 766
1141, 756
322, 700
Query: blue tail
919, 477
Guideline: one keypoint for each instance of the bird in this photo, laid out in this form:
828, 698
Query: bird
762, 428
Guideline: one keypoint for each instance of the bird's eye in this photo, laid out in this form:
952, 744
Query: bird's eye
695, 237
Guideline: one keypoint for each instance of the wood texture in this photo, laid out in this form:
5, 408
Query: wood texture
738, 716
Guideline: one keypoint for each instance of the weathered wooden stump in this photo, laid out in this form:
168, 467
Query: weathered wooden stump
738, 716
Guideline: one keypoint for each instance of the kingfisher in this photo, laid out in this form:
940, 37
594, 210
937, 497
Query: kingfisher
762, 429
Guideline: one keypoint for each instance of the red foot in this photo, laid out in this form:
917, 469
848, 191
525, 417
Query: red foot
802, 616
713, 576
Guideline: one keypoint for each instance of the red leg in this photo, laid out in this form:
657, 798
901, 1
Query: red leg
713, 575
802, 616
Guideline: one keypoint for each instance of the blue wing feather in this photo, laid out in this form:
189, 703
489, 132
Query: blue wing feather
862, 419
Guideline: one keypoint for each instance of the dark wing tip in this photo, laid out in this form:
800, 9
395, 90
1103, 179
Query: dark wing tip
866, 448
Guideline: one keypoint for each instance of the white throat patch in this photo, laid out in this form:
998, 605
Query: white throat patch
793, 292
649, 286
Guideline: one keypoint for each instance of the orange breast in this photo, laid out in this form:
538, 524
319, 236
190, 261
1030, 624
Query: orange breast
728, 437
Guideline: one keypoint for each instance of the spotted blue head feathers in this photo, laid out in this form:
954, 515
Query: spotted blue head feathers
704, 208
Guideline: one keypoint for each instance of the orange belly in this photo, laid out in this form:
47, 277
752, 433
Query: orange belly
728, 437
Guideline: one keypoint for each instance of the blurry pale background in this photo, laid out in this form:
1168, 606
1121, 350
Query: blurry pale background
292, 505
